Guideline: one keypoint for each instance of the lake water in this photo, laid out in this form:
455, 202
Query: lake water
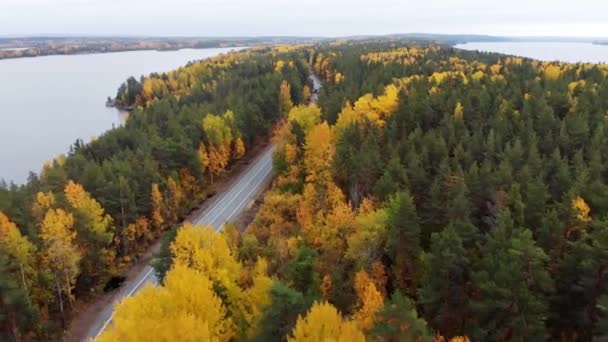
46, 103
546, 51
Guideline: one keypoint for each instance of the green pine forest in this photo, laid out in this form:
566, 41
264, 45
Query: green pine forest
430, 194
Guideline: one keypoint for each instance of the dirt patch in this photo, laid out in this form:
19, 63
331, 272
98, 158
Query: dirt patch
85, 312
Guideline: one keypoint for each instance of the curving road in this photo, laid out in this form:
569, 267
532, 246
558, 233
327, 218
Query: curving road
225, 207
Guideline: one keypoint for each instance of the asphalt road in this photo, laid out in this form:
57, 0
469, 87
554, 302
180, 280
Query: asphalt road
226, 207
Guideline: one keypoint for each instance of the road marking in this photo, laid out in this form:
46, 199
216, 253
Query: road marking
221, 199
244, 179
244, 187
246, 197
103, 327
263, 161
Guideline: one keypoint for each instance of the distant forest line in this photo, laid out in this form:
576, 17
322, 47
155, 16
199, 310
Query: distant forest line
35, 46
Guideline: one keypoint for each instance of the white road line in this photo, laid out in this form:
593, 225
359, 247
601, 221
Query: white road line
103, 327
263, 160
243, 188
244, 179
246, 197
255, 188
226, 194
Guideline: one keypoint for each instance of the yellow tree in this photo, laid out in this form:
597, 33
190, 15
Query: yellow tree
366, 243
174, 200
323, 322
307, 117
21, 250
552, 71
203, 158
326, 287
257, 297
217, 129
285, 102
369, 108
580, 217
156, 198
306, 93
185, 309
274, 223
458, 111
59, 252
239, 148
318, 153
217, 161
43, 202
139, 230
95, 233
387, 102
370, 300
581, 209
205, 250
187, 182
321, 194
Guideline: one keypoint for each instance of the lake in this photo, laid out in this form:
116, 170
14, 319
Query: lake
49, 102
546, 51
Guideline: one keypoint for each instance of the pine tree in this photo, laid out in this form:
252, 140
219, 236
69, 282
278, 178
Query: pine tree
514, 286
403, 239
445, 293
280, 316
398, 321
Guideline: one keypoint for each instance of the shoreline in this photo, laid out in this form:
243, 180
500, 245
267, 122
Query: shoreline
95, 52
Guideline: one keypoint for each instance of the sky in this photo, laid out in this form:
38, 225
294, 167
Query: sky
331, 18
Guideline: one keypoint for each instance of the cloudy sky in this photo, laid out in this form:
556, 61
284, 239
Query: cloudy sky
309, 17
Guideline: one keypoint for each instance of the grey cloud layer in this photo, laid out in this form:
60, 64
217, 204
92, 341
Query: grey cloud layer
311, 17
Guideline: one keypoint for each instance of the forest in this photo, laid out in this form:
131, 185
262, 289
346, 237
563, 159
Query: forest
89, 214
431, 194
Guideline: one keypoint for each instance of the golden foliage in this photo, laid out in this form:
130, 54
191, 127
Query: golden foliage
185, 309
278, 65
98, 222
156, 198
16, 245
203, 157
239, 148
326, 287
318, 153
59, 252
43, 202
370, 301
552, 71
581, 208
306, 93
218, 159
285, 102
323, 322
338, 77
201, 248
458, 111
174, 199
367, 107
217, 129
306, 116
257, 297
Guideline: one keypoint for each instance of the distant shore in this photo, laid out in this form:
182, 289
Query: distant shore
48, 46
14, 53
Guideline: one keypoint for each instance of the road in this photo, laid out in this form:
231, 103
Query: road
225, 207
